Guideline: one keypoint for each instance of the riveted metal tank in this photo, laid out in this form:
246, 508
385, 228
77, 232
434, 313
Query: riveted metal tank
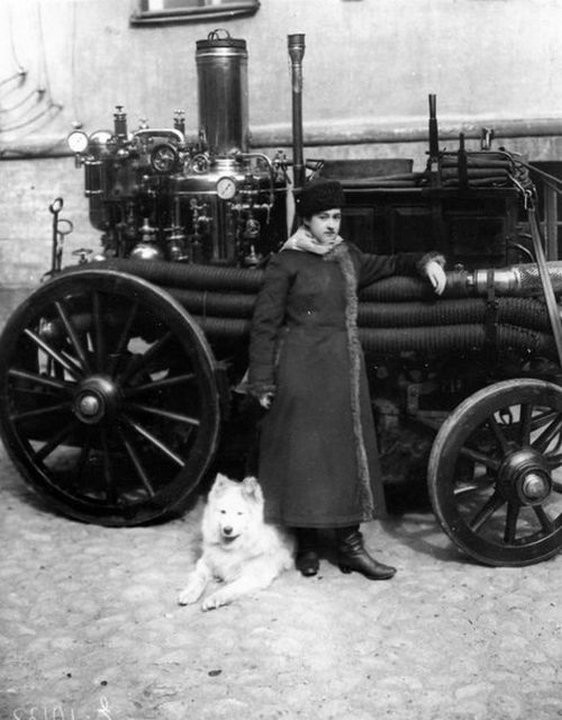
222, 73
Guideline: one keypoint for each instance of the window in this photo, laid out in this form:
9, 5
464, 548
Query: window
171, 11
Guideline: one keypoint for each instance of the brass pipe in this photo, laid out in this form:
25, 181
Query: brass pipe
516, 280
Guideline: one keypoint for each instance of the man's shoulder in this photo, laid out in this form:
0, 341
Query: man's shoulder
352, 247
289, 258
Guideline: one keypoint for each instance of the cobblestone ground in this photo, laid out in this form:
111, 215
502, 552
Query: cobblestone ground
90, 628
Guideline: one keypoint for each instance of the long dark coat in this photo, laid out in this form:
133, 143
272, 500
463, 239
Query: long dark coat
318, 463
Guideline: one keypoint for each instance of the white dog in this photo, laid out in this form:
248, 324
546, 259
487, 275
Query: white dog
239, 548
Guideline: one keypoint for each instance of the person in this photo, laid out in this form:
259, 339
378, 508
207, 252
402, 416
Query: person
318, 457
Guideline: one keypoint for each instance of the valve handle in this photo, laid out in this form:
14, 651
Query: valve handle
64, 226
82, 255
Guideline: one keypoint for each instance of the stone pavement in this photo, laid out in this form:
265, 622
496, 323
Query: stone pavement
89, 628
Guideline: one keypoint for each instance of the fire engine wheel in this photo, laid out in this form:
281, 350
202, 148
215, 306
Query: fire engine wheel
494, 473
109, 403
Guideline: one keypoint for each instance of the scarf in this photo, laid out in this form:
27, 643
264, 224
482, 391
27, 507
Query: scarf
304, 241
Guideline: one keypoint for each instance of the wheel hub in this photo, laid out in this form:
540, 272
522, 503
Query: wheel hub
96, 399
525, 478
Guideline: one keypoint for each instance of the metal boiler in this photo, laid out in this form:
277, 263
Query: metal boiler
157, 196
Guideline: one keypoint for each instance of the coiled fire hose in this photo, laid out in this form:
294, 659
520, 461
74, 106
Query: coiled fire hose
550, 298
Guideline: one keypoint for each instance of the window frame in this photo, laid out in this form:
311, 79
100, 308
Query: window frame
223, 11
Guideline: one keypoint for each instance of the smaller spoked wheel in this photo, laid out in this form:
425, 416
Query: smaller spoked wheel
495, 473
108, 398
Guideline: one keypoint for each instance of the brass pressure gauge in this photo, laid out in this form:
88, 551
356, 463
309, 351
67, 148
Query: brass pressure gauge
226, 188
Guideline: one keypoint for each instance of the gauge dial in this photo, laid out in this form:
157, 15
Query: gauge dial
226, 188
77, 141
164, 158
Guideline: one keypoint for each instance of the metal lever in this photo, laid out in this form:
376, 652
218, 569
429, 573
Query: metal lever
61, 227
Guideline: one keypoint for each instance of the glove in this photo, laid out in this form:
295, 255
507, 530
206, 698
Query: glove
265, 400
435, 273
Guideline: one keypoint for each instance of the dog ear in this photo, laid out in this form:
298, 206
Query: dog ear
221, 481
251, 489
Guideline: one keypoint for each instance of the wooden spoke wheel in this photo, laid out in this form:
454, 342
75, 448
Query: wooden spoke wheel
109, 402
494, 473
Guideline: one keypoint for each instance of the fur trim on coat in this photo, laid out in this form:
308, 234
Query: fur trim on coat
341, 255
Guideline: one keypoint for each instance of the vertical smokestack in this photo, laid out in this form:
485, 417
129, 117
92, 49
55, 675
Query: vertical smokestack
296, 53
222, 73
433, 131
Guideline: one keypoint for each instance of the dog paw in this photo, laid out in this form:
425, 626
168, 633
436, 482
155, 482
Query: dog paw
189, 596
214, 601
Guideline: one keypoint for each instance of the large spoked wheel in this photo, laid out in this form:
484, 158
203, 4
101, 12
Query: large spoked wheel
109, 403
494, 473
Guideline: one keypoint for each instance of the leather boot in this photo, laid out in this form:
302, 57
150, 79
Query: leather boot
307, 560
353, 556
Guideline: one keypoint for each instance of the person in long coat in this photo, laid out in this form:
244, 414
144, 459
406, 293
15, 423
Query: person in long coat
318, 458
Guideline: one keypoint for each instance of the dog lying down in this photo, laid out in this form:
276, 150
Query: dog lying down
239, 548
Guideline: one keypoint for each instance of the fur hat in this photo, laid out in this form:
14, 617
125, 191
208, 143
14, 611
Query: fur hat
319, 195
